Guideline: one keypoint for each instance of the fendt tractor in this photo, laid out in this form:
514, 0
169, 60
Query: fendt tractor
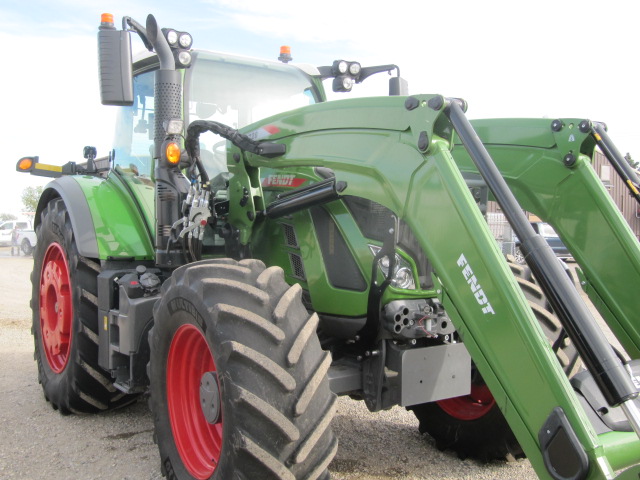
248, 251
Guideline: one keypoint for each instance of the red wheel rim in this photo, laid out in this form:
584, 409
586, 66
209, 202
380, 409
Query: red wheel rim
56, 308
469, 407
198, 442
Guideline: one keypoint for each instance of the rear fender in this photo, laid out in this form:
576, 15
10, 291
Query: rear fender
106, 224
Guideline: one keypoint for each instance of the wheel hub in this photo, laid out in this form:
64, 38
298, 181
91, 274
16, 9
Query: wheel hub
56, 308
192, 398
470, 407
210, 397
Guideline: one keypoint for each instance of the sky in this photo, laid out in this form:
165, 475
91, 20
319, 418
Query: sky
507, 58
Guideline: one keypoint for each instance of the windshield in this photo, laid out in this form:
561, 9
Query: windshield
238, 91
231, 90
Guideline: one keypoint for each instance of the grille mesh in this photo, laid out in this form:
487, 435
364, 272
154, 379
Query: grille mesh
166, 110
290, 236
296, 266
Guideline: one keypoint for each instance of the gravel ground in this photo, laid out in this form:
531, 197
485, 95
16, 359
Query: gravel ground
38, 442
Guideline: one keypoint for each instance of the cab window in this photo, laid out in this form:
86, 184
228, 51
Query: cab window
133, 143
239, 91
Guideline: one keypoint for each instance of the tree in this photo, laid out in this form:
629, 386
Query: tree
631, 161
30, 197
4, 217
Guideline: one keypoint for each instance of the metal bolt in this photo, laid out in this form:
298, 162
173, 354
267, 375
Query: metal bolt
569, 160
585, 126
423, 141
436, 103
556, 125
411, 103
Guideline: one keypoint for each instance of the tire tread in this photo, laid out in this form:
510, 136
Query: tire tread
254, 323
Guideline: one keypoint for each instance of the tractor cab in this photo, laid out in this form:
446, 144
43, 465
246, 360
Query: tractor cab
228, 89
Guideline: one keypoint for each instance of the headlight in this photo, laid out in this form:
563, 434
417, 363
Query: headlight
172, 37
184, 58
402, 275
342, 67
347, 83
403, 278
185, 40
173, 126
354, 68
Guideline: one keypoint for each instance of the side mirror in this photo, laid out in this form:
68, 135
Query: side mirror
115, 63
398, 86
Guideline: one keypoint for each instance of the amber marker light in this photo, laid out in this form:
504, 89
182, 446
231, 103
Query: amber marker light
285, 54
106, 18
25, 164
173, 153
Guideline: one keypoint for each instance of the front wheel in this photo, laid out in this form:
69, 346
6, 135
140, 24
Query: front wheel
238, 379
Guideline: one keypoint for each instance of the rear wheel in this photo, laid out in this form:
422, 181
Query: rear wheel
518, 256
238, 378
65, 320
473, 425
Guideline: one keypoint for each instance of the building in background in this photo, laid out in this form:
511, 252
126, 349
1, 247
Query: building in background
618, 191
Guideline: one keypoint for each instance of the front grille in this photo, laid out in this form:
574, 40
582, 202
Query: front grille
290, 236
297, 268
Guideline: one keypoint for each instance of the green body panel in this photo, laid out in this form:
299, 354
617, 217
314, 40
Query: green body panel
621, 448
371, 144
119, 225
325, 297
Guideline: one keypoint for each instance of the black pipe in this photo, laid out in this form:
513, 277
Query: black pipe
306, 197
160, 44
619, 163
599, 357
171, 186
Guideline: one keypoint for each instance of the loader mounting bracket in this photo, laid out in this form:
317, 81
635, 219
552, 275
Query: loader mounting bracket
563, 455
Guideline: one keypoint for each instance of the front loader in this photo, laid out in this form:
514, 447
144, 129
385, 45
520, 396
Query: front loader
248, 251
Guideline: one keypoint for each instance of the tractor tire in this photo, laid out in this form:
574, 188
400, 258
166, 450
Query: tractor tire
473, 425
26, 247
65, 321
239, 384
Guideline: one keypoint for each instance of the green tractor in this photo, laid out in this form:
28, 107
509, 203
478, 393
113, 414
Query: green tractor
248, 251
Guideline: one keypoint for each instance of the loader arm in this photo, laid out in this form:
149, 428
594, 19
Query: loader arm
379, 146
530, 156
